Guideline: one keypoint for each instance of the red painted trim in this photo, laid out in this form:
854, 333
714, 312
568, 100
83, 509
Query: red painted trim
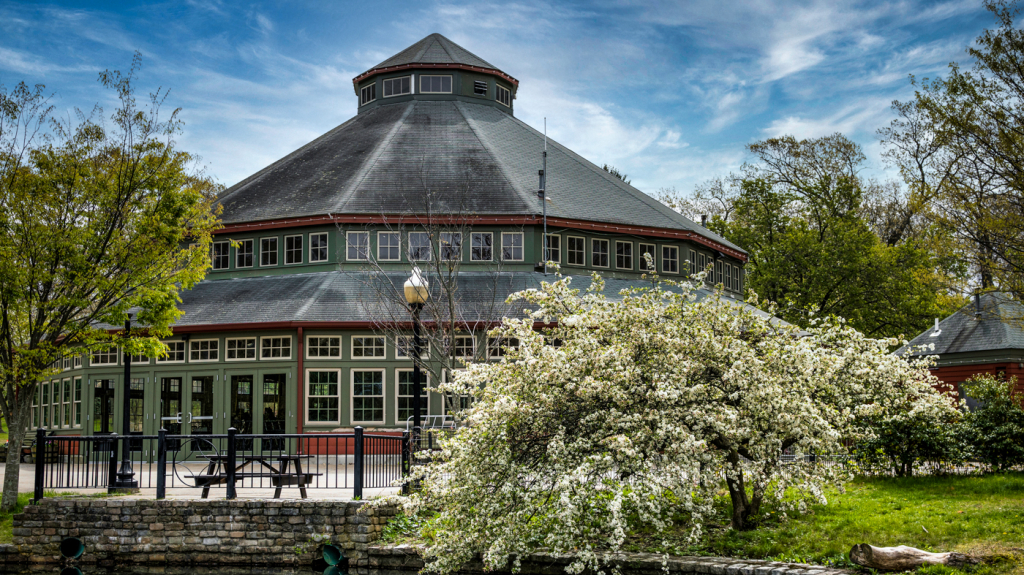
398, 219
375, 71
299, 414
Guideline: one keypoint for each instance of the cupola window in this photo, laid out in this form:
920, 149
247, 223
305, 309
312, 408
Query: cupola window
504, 96
397, 86
435, 84
480, 88
368, 94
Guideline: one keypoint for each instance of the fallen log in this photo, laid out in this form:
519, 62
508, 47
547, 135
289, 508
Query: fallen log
904, 558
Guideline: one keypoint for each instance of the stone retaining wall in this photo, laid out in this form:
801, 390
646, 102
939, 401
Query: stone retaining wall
204, 532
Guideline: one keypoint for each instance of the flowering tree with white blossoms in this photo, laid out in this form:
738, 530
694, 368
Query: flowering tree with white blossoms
631, 411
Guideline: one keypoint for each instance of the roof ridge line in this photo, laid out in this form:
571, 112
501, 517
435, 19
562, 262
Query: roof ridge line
501, 165
371, 161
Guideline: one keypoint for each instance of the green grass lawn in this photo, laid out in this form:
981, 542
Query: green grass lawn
975, 515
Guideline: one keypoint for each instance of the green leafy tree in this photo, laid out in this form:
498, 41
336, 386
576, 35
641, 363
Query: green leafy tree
99, 221
995, 428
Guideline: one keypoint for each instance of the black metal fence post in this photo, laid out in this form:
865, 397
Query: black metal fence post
161, 464
40, 463
357, 487
112, 470
230, 469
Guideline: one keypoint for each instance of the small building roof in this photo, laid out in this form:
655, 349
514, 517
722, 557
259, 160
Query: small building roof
995, 321
435, 49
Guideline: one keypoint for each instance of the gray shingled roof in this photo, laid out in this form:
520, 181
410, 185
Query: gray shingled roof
473, 158
435, 49
999, 326
342, 296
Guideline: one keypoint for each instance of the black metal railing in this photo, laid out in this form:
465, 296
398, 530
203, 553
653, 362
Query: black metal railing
352, 461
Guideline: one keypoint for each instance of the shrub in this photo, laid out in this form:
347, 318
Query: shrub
901, 443
995, 428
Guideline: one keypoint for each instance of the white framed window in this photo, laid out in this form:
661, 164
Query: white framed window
140, 360
367, 396
652, 250
512, 246
367, 346
462, 402
693, 262
670, 259
368, 94
220, 254
243, 254
357, 246
553, 248
103, 357
496, 346
292, 250
420, 249
405, 393
318, 247
77, 360
34, 419
76, 406
624, 255
65, 403
320, 346
322, 397
65, 363
397, 86
276, 347
404, 346
503, 95
240, 348
430, 84
389, 246
739, 279
599, 253
268, 252
450, 244
576, 252
718, 271
44, 401
464, 346
482, 247
175, 352
202, 350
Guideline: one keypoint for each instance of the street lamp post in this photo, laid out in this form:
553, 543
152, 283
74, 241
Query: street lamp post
126, 476
416, 293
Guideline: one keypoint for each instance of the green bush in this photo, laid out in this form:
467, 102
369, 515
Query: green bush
902, 442
995, 428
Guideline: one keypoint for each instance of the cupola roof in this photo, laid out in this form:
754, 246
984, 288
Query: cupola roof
434, 51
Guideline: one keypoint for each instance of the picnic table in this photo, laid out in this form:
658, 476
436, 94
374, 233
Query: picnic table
282, 469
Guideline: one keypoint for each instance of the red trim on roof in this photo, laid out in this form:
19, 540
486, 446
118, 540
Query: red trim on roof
375, 71
481, 220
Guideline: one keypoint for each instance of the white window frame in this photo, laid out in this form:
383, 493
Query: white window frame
286, 250
594, 252
569, 240
445, 375
240, 254
397, 247
352, 348
663, 259
430, 247
326, 247
44, 404
349, 247
384, 86
309, 347
441, 247
455, 346
34, 420
693, 262
77, 361
503, 95
718, 271
307, 382
425, 376
226, 245
398, 348
494, 348
184, 351
372, 89
259, 349
210, 348
472, 253
383, 396
641, 261
522, 247
65, 363
140, 360
116, 352
255, 349
450, 77
557, 250
276, 252
632, 255
65, 403
76, 402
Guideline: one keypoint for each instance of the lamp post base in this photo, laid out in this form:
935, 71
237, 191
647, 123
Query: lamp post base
125, 483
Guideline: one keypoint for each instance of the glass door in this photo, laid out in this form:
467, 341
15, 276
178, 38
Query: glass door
170, 409
136, 396
273, 422
102, 415
240, 408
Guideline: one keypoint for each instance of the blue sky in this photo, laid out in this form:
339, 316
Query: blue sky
669, 92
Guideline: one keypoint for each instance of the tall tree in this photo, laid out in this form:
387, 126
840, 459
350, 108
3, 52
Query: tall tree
99, 222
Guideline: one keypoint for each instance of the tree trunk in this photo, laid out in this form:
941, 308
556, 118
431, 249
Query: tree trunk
741, 508
16, 433
905, 558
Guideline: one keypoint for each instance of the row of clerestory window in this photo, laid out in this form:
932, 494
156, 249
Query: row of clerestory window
428, 84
